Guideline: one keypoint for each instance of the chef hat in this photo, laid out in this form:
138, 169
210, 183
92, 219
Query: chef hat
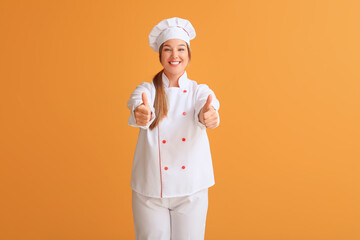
169, 29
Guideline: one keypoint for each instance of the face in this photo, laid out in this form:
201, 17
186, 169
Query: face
174, 51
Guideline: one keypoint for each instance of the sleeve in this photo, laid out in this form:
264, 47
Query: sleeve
202, 93
136, 100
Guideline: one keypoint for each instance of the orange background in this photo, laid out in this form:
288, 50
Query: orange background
286, 154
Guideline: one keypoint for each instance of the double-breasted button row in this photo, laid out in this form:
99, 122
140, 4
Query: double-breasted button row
166, 168
183, 139
184, 113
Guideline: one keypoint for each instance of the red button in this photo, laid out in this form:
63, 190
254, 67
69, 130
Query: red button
185, 91
166, 168
184, 113
164, 141
183, 139
183, 167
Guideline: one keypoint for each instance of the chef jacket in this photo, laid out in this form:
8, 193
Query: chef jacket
174, 158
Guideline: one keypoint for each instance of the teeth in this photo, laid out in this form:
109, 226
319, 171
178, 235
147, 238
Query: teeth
174, 63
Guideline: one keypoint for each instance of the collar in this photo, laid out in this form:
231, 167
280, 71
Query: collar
183, 80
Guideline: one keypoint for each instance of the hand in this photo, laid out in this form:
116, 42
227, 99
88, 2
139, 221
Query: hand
208, 115
143, 112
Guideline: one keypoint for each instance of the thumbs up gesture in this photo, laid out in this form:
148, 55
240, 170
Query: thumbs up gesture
143, 112
208, 115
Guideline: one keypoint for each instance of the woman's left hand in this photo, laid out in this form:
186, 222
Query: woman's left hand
208, 115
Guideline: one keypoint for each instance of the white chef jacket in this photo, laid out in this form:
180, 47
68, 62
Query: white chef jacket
174, 158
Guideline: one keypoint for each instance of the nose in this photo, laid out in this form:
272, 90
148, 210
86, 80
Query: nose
174, 53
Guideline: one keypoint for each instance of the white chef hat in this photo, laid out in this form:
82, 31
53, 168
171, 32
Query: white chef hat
169, 29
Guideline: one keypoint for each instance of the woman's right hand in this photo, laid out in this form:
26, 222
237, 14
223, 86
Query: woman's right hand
143, 112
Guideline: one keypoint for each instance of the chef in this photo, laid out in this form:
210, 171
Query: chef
172, 166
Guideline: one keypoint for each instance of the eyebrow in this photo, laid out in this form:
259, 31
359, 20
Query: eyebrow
167, 45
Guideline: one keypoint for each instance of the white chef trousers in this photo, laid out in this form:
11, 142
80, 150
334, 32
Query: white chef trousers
176, 218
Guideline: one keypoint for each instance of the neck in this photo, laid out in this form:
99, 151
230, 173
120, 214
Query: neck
173, 78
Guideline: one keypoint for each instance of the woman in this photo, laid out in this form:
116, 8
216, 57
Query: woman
172, 167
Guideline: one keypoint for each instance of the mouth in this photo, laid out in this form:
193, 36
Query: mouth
175, 63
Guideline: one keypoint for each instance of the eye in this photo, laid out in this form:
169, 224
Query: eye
166, 49
181, 49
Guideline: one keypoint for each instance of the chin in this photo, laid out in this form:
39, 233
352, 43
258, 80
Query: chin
174, 71
177, 72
